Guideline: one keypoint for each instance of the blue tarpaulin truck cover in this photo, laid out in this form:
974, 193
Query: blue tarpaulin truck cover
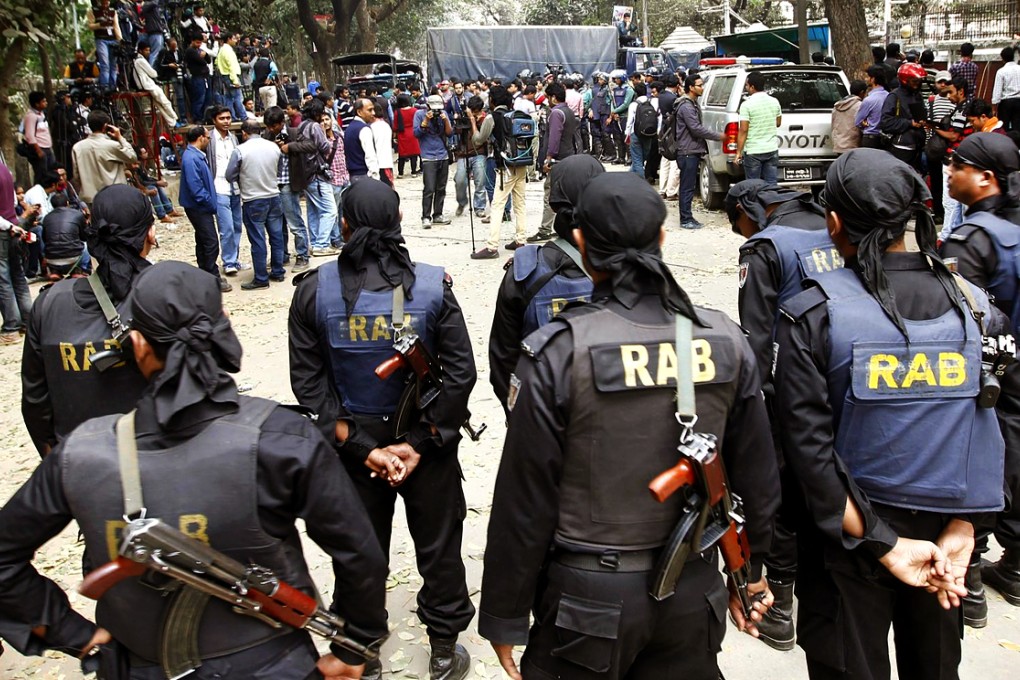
472, 51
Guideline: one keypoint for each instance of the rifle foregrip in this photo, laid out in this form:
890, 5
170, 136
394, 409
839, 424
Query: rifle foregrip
107, 576
287, 605
388, 367
672, 480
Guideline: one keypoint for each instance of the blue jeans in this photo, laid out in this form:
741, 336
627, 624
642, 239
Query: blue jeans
295, 223
107, 70
228, 222
321, 211
336, 237
762, 166
161, 203
198, 91
15, 300
264, 215
234, 101
460, 181
688, 184
640, 149
155, 41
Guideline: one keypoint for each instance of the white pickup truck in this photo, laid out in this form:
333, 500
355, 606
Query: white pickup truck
807, 95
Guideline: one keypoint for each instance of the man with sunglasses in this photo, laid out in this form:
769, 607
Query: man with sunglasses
985, 246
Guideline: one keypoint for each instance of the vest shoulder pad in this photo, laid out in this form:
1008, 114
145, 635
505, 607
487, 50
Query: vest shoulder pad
533, 345
304, 275
525, 261
962, 233
303, 411
801, 303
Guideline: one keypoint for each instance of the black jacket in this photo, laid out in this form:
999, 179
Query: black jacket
62, 233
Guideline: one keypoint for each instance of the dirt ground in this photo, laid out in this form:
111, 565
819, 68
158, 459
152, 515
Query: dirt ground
704, 263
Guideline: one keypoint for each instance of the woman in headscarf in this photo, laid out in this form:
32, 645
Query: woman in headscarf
342, 328
594, 420
541, 280
61, 387
877, 381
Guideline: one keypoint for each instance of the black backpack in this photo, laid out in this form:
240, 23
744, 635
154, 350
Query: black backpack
667, 136
646, 120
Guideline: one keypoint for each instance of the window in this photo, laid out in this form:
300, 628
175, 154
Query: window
805, 90
719, 94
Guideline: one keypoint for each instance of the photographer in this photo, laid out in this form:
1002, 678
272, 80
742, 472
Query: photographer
105, 26
471, 158
100, 158
432, 127
81, 72
197, 61
154, 28
170, 71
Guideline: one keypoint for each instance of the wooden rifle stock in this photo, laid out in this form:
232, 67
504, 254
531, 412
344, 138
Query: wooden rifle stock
735, 548
388, 367
287, 605
672, 480
98, 581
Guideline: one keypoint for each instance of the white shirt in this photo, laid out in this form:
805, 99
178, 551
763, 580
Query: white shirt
145, 74
383, 144
224, 150
38, 196
525, 105
367, 139
632, 109
1007, 82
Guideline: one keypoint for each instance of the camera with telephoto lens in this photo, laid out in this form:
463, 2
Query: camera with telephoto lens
283, 137
109, 358
993, 367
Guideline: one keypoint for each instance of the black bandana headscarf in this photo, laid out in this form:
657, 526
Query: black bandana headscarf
372, 211
121, 219
756, 195
997, 154
566, 182
180, 307
876, 195
621, 218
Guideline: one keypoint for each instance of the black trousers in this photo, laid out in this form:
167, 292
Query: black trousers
207, 240
435, 174
289, 657
434, 503
848, 601
604, 625
782, 558
41, 165
1009, 113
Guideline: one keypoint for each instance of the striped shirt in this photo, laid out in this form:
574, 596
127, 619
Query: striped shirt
968, 70
1007, 82
760, 110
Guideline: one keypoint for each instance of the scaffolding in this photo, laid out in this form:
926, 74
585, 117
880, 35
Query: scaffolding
144, 124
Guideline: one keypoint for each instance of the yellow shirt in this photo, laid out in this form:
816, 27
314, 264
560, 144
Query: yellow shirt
227, 64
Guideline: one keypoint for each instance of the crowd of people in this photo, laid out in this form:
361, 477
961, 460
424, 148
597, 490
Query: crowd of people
865, 409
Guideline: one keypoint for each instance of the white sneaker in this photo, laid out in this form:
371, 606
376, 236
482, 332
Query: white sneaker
230, 271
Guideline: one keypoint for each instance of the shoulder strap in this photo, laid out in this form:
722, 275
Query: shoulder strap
571, 251
972, 304
332, 153
130, 477
109, 311
397, 318
685, 401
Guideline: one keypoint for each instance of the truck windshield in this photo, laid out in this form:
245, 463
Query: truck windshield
646, 60
805, 90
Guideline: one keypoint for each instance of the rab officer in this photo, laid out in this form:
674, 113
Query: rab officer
341, 330
228, 470
541, 280
74, 319
984, 177
886, 422
786, 242
574, 534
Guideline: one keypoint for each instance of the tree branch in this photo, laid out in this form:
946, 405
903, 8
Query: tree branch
381, 14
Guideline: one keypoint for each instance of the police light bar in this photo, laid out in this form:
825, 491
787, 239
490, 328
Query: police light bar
744, 61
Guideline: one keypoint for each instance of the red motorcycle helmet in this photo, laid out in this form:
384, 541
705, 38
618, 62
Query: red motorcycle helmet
911, 70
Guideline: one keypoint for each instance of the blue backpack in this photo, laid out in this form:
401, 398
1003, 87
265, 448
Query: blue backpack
515, 138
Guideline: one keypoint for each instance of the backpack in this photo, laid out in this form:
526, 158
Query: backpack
516, 132
667, 136
646, 120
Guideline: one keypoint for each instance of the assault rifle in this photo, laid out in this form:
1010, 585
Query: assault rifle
151, 545
424, 385
712, 516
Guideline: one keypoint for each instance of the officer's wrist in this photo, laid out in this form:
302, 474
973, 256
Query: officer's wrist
347, 656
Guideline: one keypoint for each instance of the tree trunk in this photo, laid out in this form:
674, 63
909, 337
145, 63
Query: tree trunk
47, 74
368, 34
849, 34
8, 70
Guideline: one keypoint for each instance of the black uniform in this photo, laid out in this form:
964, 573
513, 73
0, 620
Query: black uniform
592, 620
433, 496
978, 262
847, 599
508, 323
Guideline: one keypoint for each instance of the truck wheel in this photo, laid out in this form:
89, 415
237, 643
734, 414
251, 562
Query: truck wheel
712, 200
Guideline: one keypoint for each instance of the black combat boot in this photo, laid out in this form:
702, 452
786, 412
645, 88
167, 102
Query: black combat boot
1004, 576
449, 661
373, 670
776, 627
596, 148
975, 605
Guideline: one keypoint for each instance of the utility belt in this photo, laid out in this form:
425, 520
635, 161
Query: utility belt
621, 561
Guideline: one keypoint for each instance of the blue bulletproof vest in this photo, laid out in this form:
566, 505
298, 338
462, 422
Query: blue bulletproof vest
530, 267
802, 253
1004, 285
619, 95
360, 342
906, 417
